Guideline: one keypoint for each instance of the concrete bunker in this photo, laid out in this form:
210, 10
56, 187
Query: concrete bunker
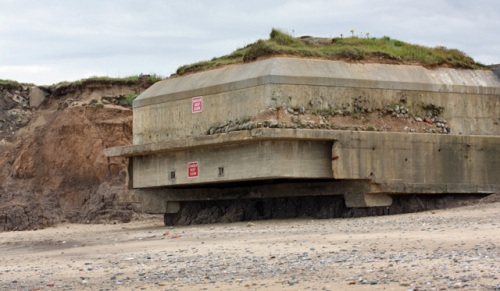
205, 136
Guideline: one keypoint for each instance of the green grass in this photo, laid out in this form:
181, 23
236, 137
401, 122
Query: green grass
153, 78
14, 84
381, 50
130, 98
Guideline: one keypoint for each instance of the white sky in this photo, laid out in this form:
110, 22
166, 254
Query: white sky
45, 42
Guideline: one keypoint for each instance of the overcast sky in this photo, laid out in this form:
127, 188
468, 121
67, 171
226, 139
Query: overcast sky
45, 42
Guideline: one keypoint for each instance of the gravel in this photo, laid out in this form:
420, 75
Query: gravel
434, 250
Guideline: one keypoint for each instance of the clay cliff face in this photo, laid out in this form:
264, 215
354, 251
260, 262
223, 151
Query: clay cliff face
52, 167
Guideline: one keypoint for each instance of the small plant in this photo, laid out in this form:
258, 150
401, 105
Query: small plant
300, 124
130, 98
371, 128
153, 78
434, 109
100, 105
356, 115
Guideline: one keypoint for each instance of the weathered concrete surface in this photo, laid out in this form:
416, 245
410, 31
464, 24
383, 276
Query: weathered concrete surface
163, 112
262, 160
382, 163
157, 200
232, 138
36, 97
419, 163
320, 73
172, 118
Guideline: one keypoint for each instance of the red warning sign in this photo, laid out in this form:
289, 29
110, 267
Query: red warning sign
197, 104
193, 170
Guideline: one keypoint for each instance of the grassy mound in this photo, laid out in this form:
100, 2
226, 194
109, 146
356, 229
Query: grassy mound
379, 50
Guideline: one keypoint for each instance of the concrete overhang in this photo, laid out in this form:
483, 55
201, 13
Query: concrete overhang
231, 138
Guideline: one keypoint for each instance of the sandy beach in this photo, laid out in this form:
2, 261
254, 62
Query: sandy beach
435, 250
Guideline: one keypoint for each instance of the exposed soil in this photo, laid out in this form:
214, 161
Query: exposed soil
389, 119
52, 168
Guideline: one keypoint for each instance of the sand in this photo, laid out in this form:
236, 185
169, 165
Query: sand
435, 250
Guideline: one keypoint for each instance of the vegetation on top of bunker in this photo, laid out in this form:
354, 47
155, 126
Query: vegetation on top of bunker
356, 48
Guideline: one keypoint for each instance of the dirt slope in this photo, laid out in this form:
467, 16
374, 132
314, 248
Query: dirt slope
51, 166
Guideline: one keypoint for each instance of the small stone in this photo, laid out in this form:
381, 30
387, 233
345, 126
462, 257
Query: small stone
273, 123
404, 283
457, 285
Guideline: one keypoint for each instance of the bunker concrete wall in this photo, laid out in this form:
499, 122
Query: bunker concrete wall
471, 98
476, 114
394, 163
249, 161
419, 163
174, 120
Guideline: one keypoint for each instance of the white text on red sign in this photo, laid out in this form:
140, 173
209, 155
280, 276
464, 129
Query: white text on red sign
197, 104
193, 169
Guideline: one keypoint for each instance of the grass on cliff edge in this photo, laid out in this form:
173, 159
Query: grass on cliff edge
153, 78
14, 84
378, 50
